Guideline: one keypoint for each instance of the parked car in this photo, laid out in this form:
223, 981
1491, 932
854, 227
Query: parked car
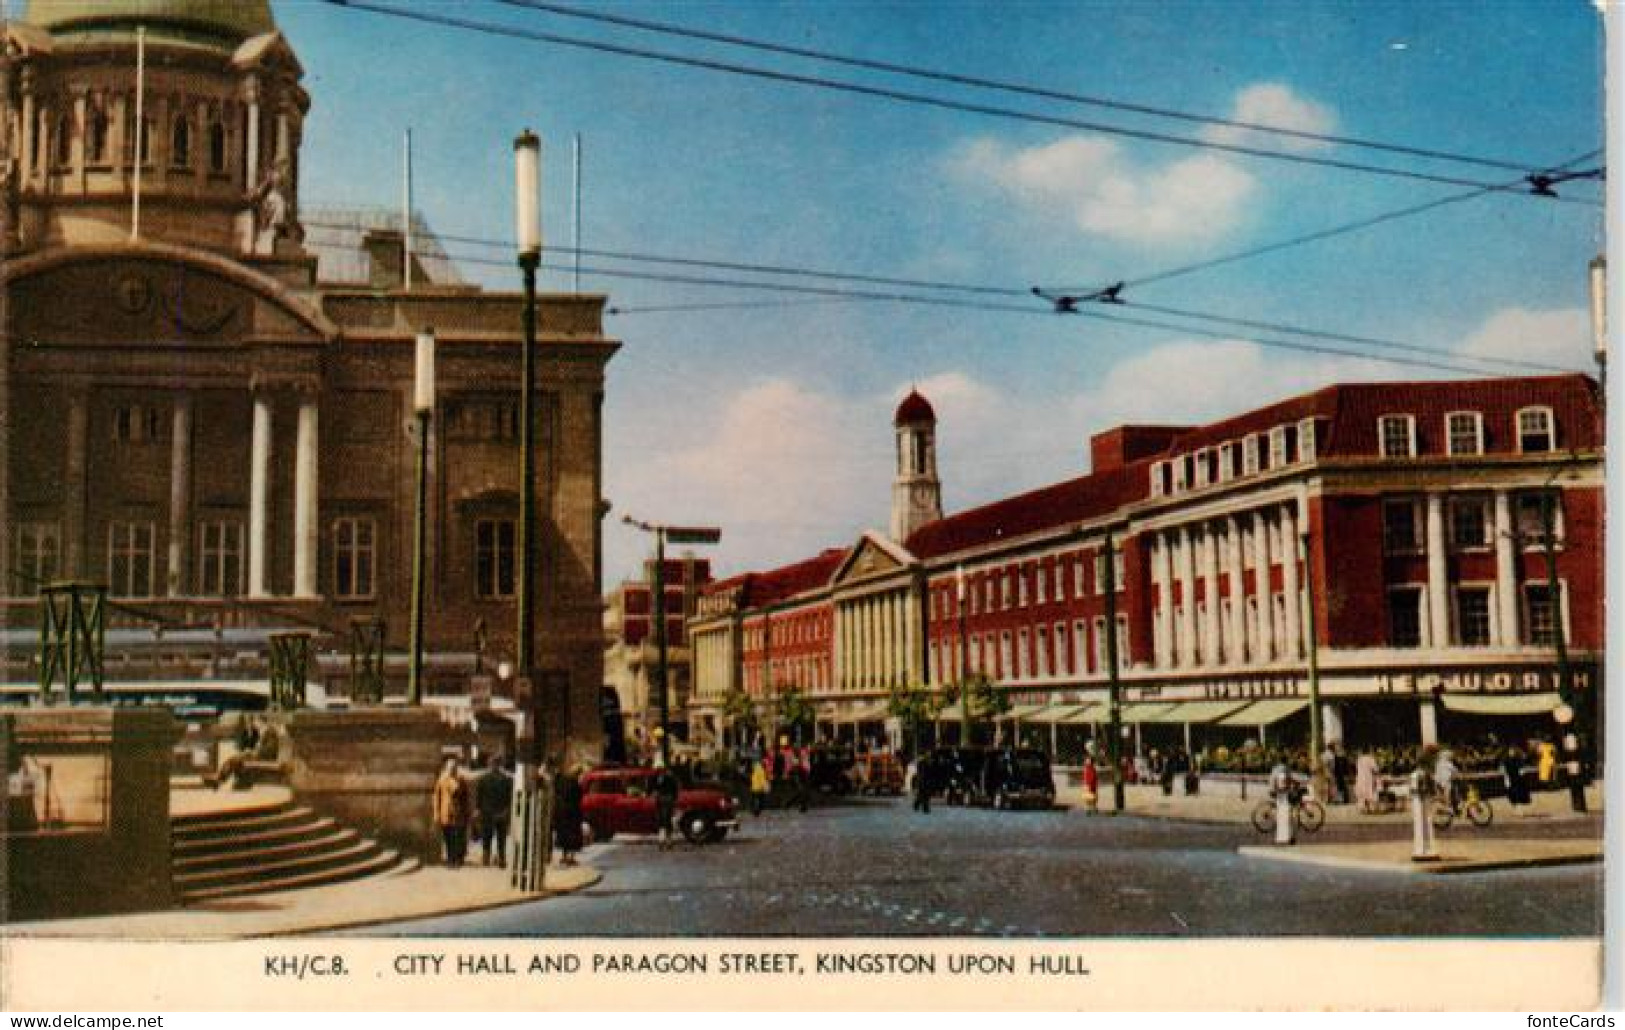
1004, 777
831, 768
622, 800
878, 772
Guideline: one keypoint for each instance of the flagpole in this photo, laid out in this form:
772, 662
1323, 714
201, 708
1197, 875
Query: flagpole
140, 128
406, 212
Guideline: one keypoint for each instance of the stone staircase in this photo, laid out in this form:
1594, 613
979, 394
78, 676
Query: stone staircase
276, 846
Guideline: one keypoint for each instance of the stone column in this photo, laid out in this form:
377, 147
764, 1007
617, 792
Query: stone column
259, 495
1210, 573
1236, 651
1187, 614
1508, 632
911, 640
1261, 574
1162, 615
305, 501
76, 148
1289, 581
75, 479
1428, 713
1331, 719
180, 497
835, 650
1438, 574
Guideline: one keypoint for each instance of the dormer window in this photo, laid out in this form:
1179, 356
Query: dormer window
1537, 431
1249, 455
1201, 468
1278, 450
1306, 440
1396, 435
1158, 483
1179, 475
1464, 432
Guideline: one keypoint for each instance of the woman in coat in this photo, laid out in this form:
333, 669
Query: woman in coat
1091, 785
1366, 786
453, 809
567, 815
760, 785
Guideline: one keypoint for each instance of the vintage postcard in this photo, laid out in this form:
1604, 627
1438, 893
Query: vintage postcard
1074, 504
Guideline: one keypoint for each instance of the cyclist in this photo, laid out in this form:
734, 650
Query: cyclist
1444, 778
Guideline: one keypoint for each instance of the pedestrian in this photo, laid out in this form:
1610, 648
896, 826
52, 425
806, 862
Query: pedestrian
665, 789
1423, 789
1366, 782
1282, 786
1517, 785
567, 814
801, 776
922, 785
1444, 777
493, 800
452, 811
1340, 774
1091, 785
759, 786
1164, 768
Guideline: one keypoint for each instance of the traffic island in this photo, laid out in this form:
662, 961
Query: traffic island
1459, 856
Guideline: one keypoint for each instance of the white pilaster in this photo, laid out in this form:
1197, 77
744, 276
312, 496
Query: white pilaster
259, 494
1438, 595
1236, 644
1163, 618
1293, 645
1187, 601
305, 502
1210, 574
1265, 596
1508, 633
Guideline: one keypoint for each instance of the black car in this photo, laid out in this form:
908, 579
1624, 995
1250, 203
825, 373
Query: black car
1004, 777
832, 768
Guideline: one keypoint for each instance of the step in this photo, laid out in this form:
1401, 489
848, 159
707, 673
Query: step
227, 815
286, 816
282, 833
381, 862
256, 874
260, 857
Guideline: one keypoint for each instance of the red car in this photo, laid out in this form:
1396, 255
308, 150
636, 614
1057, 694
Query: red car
622, 800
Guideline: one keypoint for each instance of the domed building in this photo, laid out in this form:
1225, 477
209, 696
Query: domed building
203, 408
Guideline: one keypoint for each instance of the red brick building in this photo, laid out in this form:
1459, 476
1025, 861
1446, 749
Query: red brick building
630, 645
1395, 529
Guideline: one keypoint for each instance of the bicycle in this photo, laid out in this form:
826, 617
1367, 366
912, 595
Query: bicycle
1473, 806
1309, 814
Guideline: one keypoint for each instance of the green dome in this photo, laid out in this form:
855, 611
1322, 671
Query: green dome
225, 22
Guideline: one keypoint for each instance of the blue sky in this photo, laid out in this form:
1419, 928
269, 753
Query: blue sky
775, 422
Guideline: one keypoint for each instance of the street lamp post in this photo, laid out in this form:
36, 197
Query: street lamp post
423, 409
527, 150
1114, 743
964, 662
677, 535
1565, 675
1319, 775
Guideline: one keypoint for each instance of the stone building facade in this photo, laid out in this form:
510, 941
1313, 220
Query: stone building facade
631, 659
195, 418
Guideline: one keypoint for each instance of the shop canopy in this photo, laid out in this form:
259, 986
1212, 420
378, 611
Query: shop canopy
1140, 712
1196, 712
1502, 704
1082, 715
1263, 713
1026, 713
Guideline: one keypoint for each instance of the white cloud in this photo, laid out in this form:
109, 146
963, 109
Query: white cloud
1274, 104
1096, 186
1559, 337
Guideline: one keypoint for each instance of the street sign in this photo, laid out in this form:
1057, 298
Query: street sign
693, 534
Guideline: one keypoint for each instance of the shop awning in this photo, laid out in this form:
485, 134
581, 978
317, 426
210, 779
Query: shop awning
1263, 713
1502, 704
1025, 713
1197, 712
1141, 712
1083, 715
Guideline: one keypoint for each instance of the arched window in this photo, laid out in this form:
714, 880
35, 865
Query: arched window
64, 139
96, 143
217, 145
180, 143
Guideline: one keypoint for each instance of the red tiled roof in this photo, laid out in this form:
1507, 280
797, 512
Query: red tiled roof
761, 588
1074, 500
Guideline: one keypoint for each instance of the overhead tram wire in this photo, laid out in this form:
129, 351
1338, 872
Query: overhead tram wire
1040, 92
1324, 234
941, 103
846, 296
1479, 366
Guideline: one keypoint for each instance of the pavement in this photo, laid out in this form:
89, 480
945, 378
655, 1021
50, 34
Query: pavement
1514, 840
416, 894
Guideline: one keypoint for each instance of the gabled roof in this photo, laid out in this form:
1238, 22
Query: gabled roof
876, 541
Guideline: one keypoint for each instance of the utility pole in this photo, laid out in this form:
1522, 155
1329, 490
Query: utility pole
1319, 775
1570, 728
1114, 745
